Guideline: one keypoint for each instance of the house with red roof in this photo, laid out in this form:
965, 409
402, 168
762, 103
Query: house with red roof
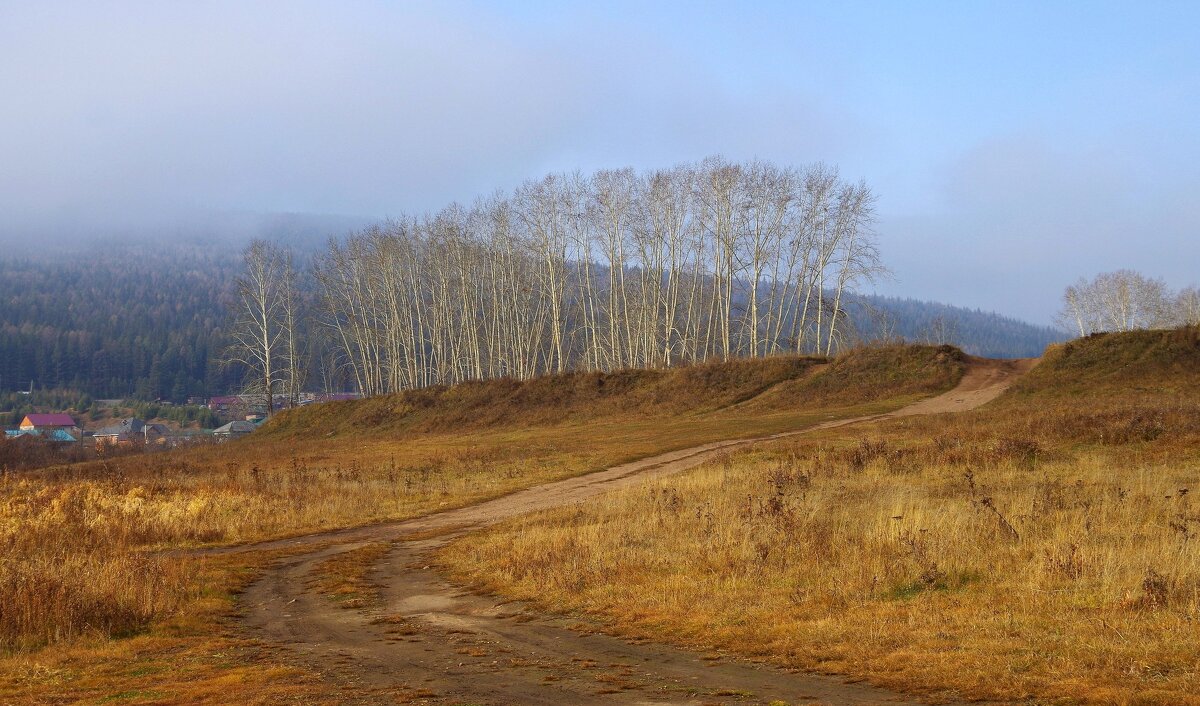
48, 422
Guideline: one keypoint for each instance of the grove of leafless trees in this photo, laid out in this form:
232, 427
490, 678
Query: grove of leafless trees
1125, 300
595, 272
616, 269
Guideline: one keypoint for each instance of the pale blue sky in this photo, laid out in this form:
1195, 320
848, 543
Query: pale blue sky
1014, 146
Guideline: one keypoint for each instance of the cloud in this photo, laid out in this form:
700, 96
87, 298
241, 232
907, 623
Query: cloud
1024, 217
147, 110
999, 180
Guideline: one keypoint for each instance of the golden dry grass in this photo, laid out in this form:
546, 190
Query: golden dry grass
187, 656
69, 568
1045, 548
75, 539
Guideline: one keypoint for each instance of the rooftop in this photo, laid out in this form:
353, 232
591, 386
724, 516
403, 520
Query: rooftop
50, 420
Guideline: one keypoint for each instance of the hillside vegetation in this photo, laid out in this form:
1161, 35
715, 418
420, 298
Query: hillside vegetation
1116, 365
1043, 548
774, 384
867, 374
552, 399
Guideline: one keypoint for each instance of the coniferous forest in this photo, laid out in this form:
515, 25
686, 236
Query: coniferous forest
116, 321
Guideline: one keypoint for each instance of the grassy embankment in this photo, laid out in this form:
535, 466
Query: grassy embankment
1046, 546
75, 572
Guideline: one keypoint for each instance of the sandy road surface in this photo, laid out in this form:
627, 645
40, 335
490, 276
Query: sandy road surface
456, 647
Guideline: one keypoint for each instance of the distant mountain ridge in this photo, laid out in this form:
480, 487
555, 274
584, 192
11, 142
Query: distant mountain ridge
977, 332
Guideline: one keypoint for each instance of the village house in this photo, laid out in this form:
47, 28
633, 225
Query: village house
57, 435
234, 430
131, 431
49, 422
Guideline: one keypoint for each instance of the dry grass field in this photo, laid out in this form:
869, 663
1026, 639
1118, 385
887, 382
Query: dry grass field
186, 653
1045, 548
83, 587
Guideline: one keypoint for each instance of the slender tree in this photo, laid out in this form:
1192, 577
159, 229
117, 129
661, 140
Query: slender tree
1187, 306
257, 338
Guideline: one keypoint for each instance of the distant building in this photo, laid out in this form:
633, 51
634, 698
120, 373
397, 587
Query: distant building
240, 405
130, 431
49, 422
61, 436
223, 405
234, 430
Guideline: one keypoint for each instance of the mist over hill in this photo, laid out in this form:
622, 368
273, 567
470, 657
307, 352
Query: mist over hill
215, 231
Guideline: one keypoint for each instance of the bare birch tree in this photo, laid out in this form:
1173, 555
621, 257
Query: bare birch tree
1123, 300
258, 337
1187, 307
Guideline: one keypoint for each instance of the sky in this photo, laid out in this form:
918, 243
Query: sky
1014, 147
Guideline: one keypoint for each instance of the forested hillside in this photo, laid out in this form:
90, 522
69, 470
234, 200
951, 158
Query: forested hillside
977, 332
149, 321
116, 321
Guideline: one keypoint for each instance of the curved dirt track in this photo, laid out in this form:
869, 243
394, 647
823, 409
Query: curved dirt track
432, 642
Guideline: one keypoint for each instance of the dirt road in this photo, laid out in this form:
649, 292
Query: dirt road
433, 642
